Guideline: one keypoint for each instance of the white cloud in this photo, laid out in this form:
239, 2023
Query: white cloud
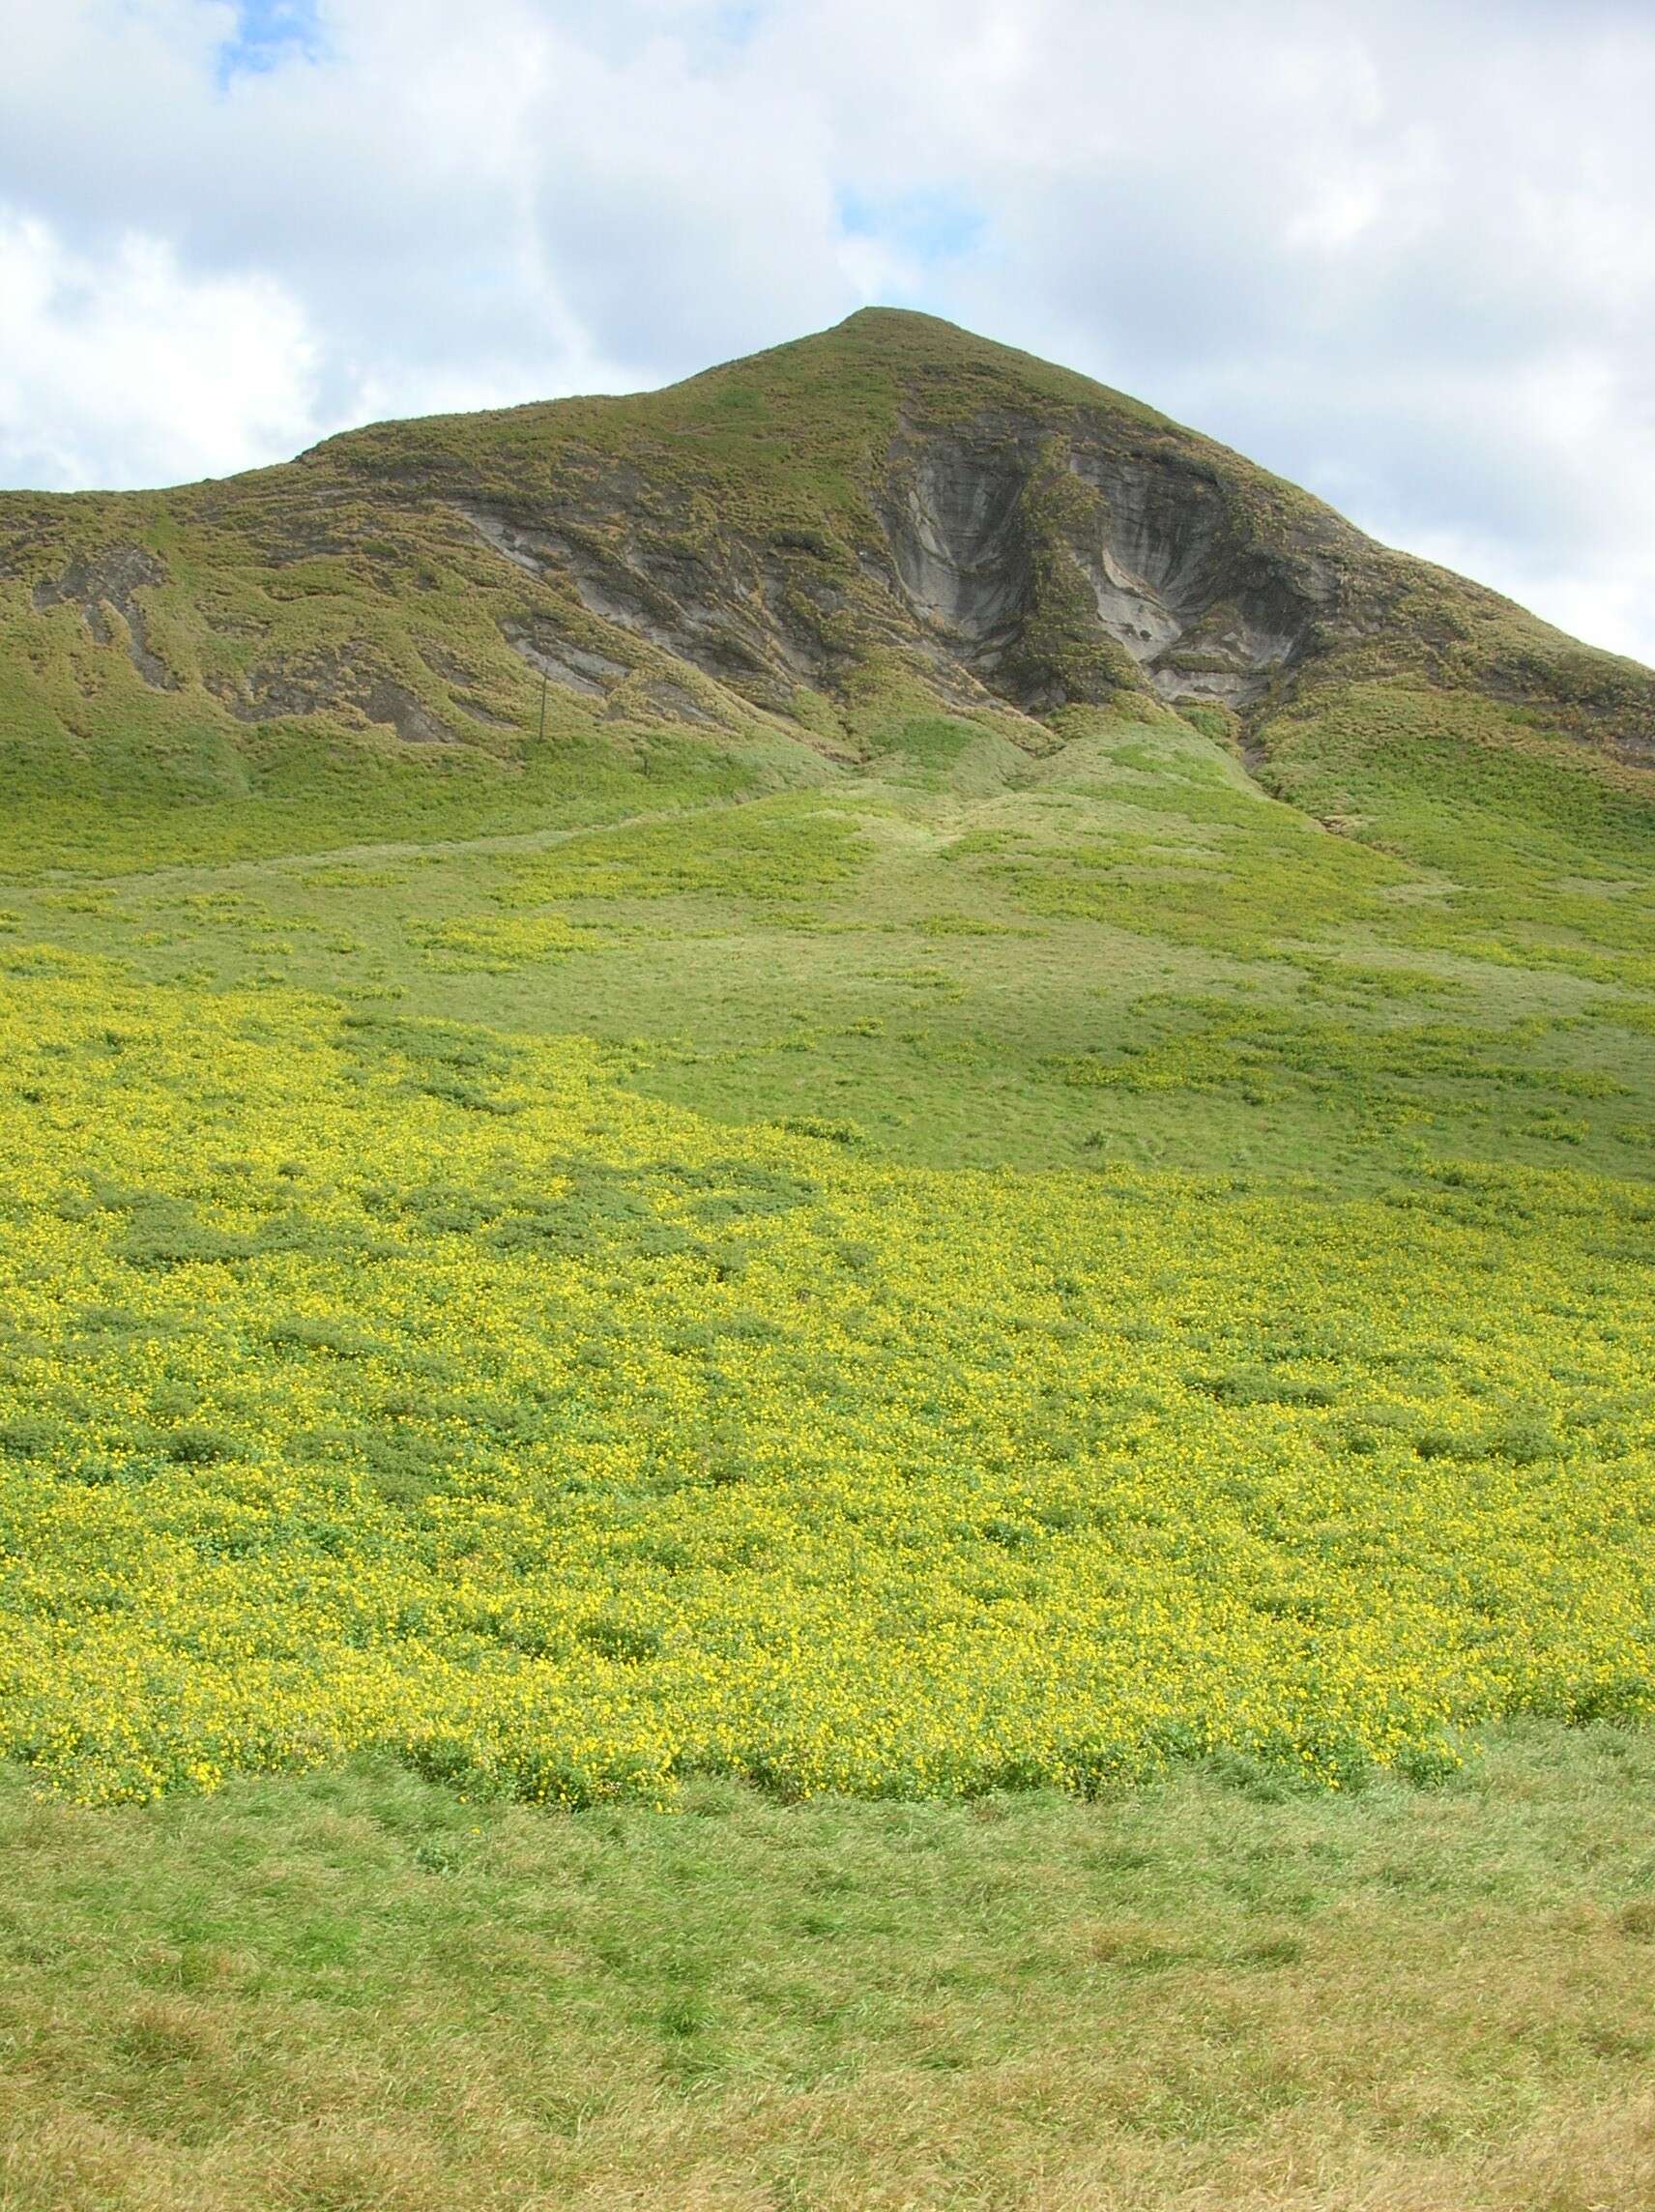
1404, 253
122, 369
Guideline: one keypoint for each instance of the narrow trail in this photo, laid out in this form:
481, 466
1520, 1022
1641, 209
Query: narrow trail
950, 815
182, 876
188, 876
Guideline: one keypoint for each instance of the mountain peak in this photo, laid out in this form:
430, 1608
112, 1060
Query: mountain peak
891, 509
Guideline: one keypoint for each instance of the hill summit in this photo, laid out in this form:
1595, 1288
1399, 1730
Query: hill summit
891, 510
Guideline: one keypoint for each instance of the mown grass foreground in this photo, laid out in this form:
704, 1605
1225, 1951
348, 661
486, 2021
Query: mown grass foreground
355, 1991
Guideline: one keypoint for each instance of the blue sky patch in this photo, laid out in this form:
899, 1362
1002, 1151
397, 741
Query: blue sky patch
269, 32
737, 20
931, 226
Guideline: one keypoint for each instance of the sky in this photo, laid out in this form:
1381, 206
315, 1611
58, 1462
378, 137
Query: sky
1402, 253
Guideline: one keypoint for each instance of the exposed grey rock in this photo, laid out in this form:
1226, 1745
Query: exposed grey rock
1173, 580
480, 710
293, 686
960, 546
101, 582
506, 536
750, 623
576, 667
982, 574
396, 706
670, 701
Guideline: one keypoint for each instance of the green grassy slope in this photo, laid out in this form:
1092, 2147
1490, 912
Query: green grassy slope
862, 1224
1120, 949
732, 585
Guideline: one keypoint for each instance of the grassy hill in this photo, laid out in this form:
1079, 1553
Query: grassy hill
736, 584
909, 1371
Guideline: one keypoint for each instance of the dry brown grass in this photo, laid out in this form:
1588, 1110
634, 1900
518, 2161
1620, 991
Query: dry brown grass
1193, 2000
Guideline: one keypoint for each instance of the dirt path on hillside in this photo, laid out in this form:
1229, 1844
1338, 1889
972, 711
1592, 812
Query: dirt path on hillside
184, 877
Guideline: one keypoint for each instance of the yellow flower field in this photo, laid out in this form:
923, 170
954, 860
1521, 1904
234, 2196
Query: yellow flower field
368, 1383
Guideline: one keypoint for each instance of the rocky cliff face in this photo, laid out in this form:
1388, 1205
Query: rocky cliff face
993, 528
892, 505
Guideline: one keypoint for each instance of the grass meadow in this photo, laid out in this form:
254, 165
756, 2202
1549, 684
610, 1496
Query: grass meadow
922, 1484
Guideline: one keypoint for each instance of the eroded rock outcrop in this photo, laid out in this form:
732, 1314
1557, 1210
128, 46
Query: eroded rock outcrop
991, 530
108, 583
887, 513
999, 558
292, 686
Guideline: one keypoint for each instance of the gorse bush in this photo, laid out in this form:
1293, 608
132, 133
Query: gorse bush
576, 1445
